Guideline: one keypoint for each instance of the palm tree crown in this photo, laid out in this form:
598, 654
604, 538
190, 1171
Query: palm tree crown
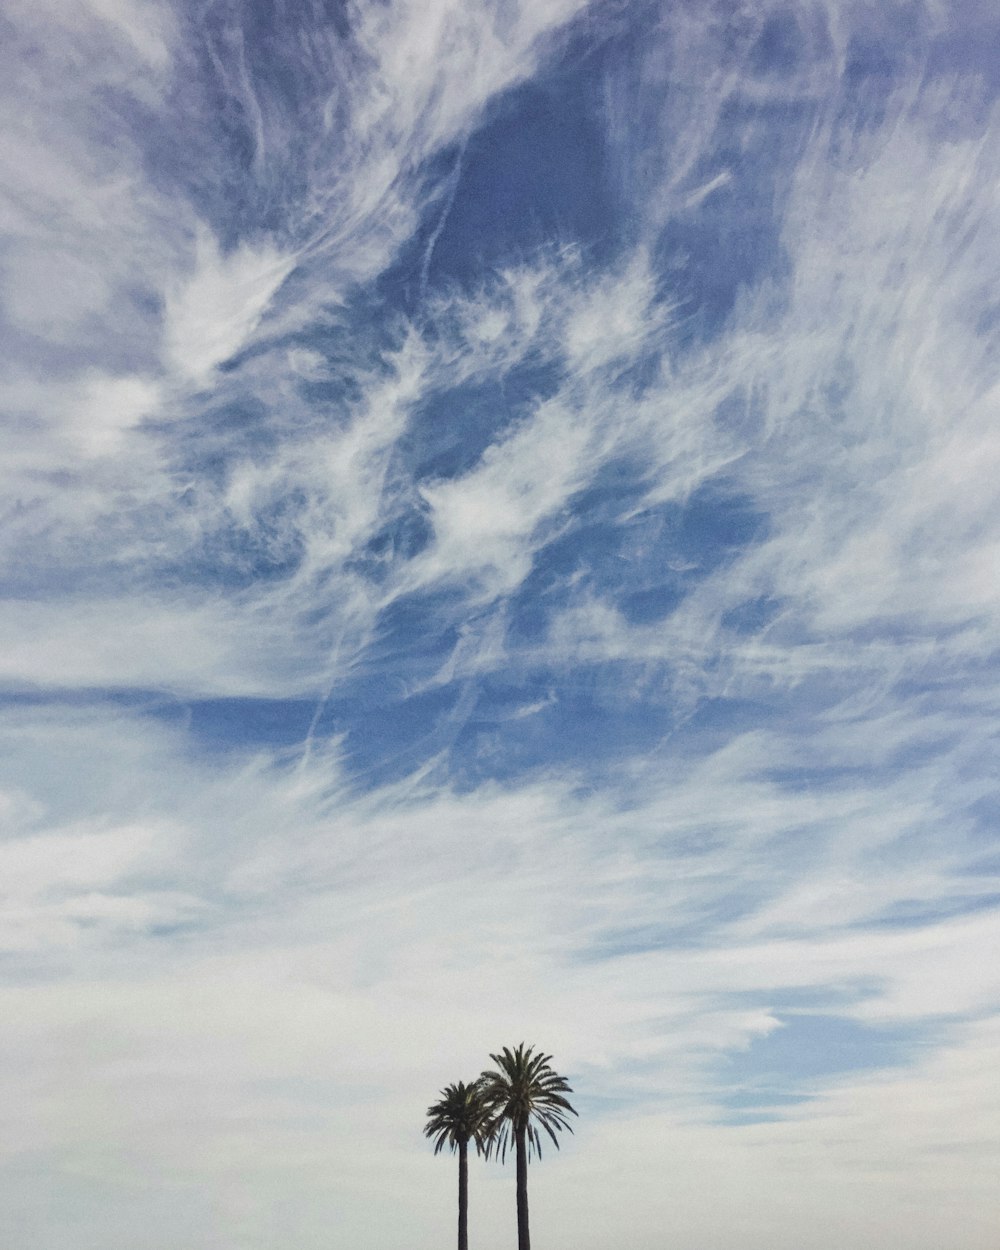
459, 1116
523, 1095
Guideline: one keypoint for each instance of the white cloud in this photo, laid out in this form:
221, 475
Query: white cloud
215, 311
349, 950
852, 1167
484, 523
146, 643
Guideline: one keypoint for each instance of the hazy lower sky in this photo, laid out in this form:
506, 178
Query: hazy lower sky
500, 542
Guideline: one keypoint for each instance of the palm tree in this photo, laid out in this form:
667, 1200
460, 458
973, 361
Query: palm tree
458, 1118
522, 1095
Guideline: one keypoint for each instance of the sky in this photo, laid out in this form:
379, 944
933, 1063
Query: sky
500, 542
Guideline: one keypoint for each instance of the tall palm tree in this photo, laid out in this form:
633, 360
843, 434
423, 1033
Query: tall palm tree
524, 1094
460, 1116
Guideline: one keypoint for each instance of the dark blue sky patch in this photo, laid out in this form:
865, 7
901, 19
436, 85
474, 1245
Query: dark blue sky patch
402, 286
612, 491
917, 913
758, 1107
253, 89
717, 720
811, 1046
911, 754
753, 615
389, 736
792, 1061
734, 240
404, 536
692, 933
964, 59
418, 623
333, 396
356, 333
533, 173
741, 413
232, 432
985, 815
889, 50
808, 1000
644, 566
239, 724
780, 46
591, 1106
986, 865
652, 603
552, 583
222, 191
591, 727
592, 548
713, 525
240, 557
449, 432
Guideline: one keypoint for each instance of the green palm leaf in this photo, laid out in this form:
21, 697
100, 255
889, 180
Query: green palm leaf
460, 1115
524, 1092
523, 1096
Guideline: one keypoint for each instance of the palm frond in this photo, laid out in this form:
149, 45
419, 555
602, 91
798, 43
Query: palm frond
524, 1093
460, 1115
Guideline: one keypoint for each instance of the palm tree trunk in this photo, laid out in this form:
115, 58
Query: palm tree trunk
463, 1195
520, 1145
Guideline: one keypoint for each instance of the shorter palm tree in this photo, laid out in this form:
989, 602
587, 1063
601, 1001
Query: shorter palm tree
460, 1116
522, 1094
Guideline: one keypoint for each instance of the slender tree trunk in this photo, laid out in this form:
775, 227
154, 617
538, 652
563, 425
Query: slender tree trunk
521, 1150
463, 1195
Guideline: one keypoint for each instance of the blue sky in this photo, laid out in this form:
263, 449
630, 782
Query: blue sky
500, 541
